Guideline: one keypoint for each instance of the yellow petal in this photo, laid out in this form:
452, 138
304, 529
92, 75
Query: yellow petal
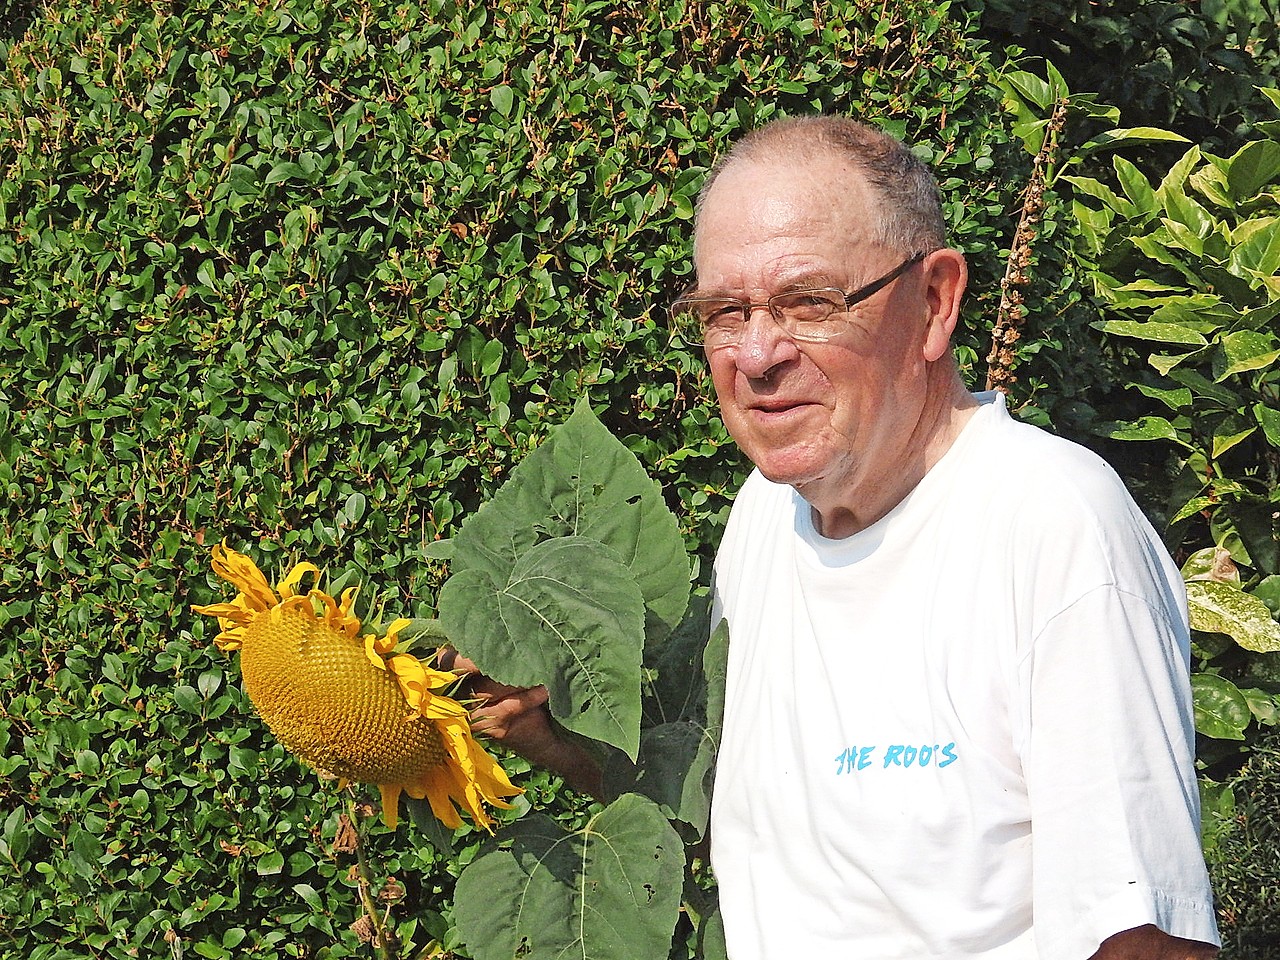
288, 587
417, 680
243, 573
390, 803
372, 652
396, 626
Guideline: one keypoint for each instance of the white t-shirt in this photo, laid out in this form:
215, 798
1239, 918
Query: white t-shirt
963, 732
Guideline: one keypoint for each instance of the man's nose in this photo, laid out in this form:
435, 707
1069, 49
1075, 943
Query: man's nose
764, 343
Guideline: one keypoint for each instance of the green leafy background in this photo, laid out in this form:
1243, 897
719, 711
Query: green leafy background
314, 277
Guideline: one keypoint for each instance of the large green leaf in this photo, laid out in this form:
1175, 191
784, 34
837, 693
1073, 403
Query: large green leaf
1243, 351
1175, 180
1221, 710
1268, 591
1204, 388
1254, 166
568, 615
1182, 208
1256, 246
1135, 134
711, 945
1270, 420
1224, 608
1154, 332
1175, 400
1136, 186
1227, 435
1144, 428
1192, 507
1095, 188
1255, 523
610, 891
582, 481
674, 769
715, 664
676, 764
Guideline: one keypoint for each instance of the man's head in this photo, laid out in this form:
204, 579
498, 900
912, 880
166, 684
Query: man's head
909, 214
828, 203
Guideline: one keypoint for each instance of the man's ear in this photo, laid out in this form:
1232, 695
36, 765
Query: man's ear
945, 275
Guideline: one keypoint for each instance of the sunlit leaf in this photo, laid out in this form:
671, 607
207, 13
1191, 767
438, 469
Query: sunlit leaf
1112, 139
1252, 167
1211, 563
1192, 507
1242, 351
1222, 442
582, 481
1144, 428
1225, 608
1221, 710
1155, 332
1136, 186
569, 616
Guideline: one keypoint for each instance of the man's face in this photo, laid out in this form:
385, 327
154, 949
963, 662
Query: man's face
822, 417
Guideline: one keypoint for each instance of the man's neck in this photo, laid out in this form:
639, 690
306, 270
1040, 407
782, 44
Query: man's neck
843, 512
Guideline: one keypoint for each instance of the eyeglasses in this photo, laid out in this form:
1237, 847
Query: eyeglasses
802, 314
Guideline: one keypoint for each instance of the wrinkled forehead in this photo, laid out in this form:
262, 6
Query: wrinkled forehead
756, 206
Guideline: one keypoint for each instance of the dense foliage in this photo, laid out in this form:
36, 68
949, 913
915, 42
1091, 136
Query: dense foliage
314, 277
1244, 856
1192, 68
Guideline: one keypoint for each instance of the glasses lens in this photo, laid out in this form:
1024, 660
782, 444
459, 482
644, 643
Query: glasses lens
710, 321
806, 313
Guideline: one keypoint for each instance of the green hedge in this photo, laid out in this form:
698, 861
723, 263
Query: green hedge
1244, 861
312, 277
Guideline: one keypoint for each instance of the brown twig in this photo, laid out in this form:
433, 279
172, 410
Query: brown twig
1012, 313
372, 926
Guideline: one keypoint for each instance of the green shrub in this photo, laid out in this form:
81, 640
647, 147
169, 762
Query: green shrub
1190, 67
1186, 268
313, 277
1244, 860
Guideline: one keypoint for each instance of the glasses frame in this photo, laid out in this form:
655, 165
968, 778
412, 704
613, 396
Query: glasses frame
851, 299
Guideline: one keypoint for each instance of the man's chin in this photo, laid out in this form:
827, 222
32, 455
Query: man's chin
797, 473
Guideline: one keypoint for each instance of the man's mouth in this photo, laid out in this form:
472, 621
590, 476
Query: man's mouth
778, 406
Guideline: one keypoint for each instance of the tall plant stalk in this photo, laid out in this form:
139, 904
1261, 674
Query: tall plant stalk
1012, 311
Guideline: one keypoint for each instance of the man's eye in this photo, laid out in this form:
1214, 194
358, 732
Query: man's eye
807, 305
809, 299
722, 314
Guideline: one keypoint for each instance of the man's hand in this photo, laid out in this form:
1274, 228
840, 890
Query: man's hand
518, 718
1151, 943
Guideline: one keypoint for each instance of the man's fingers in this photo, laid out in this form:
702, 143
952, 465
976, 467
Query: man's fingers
512, 703
513, 710
451, 660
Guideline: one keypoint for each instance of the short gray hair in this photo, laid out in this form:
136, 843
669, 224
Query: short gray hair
910, 210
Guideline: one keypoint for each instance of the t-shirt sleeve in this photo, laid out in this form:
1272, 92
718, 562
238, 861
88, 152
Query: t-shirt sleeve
1107, 747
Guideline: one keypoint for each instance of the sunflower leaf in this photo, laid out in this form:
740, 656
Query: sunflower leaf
676, 764
674, 770
583, 482
610, 890
568, 615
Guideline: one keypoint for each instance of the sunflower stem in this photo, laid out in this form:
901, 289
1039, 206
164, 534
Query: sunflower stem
386, 945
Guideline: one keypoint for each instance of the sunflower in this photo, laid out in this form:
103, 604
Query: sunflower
348, 704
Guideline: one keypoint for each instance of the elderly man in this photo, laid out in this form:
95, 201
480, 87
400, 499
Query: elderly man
958, 721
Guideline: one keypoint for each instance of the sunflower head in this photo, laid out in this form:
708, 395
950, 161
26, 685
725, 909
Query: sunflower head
346, 703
